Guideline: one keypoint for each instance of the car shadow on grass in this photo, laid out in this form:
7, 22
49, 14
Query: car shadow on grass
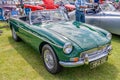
3, 25
105, 71
116, 38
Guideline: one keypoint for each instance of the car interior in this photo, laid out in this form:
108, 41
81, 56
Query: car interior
90, 11
34, 21
25, 19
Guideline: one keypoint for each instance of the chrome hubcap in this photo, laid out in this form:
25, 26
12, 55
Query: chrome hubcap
14, 34
48, 58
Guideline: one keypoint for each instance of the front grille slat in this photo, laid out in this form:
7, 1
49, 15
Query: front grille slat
94, 52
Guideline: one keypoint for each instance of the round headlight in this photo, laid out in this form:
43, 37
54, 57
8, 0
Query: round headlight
109, 36
67, 48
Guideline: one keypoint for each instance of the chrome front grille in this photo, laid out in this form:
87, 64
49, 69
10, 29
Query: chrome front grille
94, 51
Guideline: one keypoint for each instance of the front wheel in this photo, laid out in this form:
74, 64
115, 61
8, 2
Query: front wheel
14, 35
50, 59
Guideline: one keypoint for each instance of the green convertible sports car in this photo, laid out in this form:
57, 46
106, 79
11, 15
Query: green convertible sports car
61, 42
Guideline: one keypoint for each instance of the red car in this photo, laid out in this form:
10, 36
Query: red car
70, 7
66, 4
33, 7
49, 4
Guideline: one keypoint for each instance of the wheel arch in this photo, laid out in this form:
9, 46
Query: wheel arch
42, 44
11, 26
57, 67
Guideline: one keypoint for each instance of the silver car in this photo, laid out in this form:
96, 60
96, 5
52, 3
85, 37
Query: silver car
104, 16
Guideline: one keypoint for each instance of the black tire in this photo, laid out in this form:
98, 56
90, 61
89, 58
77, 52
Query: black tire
54, 67
14, 35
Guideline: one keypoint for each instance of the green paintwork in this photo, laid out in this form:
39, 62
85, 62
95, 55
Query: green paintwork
82, 36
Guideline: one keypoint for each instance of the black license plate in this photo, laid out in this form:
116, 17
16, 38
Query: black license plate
96, 63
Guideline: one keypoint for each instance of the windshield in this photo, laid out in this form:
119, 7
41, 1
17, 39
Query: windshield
107, 7
47, 16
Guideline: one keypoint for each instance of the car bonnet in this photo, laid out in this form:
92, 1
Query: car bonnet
83, 36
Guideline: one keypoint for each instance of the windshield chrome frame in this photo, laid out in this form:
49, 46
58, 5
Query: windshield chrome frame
105, 4
61, 12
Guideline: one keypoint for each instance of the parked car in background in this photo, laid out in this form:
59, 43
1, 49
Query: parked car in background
69, 5
0, 2
61, 42
104, 16
33, 6
43, 5
2, 18
9, 8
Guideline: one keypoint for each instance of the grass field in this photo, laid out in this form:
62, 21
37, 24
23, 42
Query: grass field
19, 61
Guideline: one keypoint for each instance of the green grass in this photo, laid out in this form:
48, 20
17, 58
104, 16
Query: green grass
19, 61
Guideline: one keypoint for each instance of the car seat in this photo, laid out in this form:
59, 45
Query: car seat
26, 11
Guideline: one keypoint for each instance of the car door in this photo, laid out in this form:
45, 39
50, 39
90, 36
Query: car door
29, 34
24, 31
110, 23
105, 21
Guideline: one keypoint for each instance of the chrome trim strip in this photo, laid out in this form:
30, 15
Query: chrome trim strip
71, 64
14, 23
81, 62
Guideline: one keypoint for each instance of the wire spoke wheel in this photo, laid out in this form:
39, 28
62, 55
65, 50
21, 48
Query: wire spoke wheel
50, 59
14, 35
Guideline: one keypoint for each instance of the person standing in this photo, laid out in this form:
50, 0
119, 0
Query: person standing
3, 2
80, 10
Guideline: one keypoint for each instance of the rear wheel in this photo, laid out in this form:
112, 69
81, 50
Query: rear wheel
14, 35
50, 59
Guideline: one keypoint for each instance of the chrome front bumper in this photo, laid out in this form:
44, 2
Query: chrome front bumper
89, 59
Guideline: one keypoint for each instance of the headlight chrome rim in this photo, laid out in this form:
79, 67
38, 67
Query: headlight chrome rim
67, 48
109, 36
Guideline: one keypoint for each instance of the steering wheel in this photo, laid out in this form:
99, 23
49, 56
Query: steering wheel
37, 21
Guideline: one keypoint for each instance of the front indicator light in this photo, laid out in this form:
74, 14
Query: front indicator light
74, 59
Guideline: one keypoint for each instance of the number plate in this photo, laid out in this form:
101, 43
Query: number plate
96, 63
